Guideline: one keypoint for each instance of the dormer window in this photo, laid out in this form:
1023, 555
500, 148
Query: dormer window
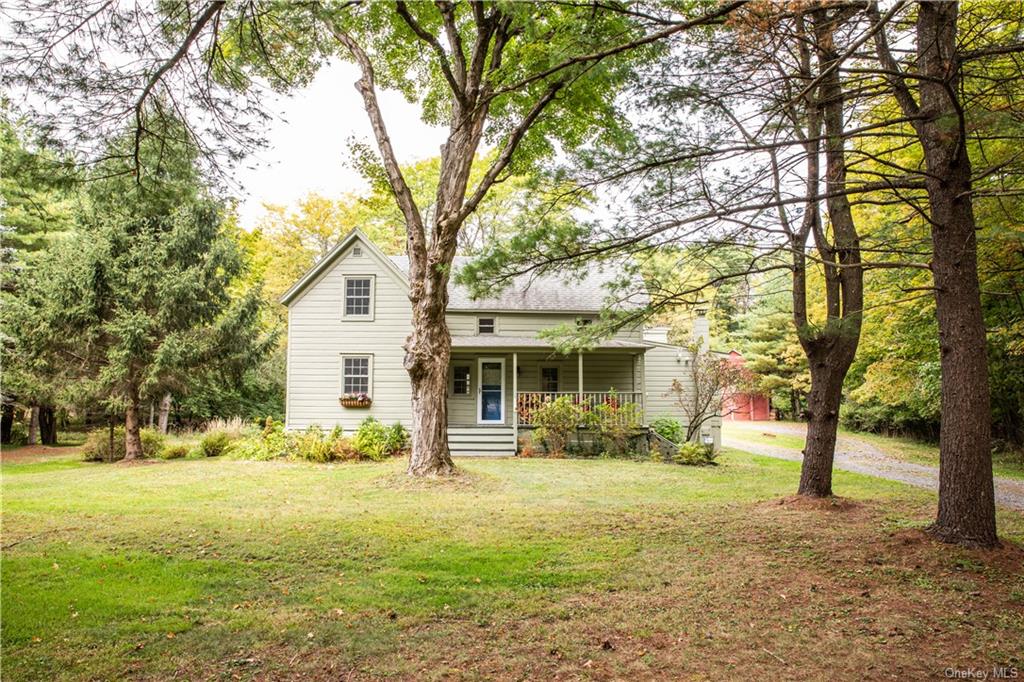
358, 297
485, 325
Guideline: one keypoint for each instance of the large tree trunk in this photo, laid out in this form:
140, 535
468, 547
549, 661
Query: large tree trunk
428, 350
966, 498
165, 412
822, 423
6, 423
830, 350
47, 425
33, 425
132, 437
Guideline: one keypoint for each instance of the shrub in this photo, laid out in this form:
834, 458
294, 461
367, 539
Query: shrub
152, 442
19, 434
398, 439
234, 427
615, 425
556, 422
372, 439
214, 444
272, 442
344, 450
670, 429
97, 444
314, 445
694, 454
174, 452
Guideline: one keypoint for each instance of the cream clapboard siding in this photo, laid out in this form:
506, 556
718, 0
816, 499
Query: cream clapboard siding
601, 372
318, 337
662, 364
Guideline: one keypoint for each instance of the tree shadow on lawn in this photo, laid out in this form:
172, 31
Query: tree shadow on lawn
795, 593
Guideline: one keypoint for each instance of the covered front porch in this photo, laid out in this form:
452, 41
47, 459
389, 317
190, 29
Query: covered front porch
496, 384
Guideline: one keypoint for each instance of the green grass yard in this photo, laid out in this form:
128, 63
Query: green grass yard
519, 569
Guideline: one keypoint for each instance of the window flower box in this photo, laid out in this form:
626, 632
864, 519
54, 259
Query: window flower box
355, 400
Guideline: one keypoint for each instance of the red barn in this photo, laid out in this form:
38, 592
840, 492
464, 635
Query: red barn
745, 407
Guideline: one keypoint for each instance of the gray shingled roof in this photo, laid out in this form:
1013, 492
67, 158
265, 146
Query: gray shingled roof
548, 292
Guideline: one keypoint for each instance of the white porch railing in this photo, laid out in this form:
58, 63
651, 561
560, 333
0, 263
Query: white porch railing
528, 402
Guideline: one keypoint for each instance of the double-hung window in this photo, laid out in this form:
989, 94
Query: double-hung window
460, 380
358, 297
355, 373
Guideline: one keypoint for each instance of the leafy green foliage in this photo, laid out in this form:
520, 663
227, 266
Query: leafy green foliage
97, 444
694, 454
373, 440
214, 444
669, 428
37, 188
615, 425
174, 452
556, 422
141, 299
379, 442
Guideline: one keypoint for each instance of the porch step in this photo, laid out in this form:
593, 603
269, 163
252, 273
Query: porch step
486, 441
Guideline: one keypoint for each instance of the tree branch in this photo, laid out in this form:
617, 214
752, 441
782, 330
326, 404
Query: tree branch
212, 10
399, 187
458, 88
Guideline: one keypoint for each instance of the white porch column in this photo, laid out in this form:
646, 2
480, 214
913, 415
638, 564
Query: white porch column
515, 402
579, 376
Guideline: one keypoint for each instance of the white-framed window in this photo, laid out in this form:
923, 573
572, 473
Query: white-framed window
486, 325
358, 303
549, 379
460, 380
357, 251
356, 374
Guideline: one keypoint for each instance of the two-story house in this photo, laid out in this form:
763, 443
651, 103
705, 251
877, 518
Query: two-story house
350, 314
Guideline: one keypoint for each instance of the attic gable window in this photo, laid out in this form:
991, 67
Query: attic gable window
485, 325
358, 297
357, 251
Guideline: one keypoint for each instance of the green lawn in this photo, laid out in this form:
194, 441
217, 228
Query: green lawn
214, 569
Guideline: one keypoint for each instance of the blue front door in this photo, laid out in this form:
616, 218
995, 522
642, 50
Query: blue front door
492, 377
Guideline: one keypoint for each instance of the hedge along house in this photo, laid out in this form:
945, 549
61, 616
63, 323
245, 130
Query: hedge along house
350, 314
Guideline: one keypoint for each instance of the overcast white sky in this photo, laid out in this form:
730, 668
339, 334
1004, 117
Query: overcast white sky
308, 142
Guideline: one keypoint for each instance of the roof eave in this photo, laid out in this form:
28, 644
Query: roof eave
311, 275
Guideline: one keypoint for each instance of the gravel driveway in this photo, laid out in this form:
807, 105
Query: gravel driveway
854, 454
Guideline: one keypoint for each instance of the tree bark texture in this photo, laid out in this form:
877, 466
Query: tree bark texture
165, 412
132, 436
966, 512
47, 425
6, 423
33, 425
428, 350
830, 349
